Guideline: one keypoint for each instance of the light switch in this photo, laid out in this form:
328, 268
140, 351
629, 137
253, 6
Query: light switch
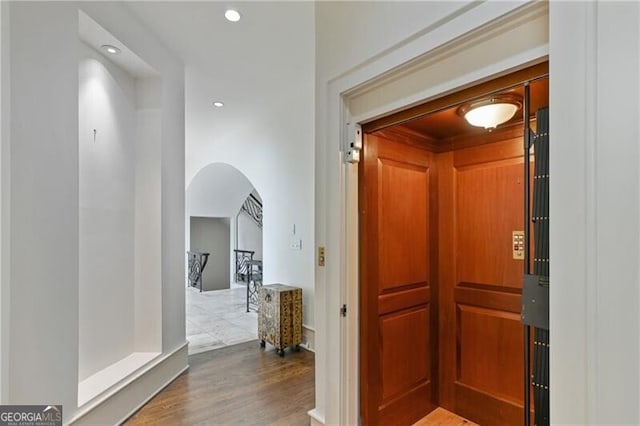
518, 245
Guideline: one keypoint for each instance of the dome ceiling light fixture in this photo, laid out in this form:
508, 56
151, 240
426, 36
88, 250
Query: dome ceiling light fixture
492, 111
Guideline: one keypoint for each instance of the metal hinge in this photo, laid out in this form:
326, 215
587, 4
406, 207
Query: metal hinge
343, 310
354, 143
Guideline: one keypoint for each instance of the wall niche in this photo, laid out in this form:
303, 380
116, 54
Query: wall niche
119, 115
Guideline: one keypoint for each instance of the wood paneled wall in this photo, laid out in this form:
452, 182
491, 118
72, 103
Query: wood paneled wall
480, 196
475, 203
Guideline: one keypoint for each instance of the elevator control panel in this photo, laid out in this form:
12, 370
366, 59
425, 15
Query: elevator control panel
518, 245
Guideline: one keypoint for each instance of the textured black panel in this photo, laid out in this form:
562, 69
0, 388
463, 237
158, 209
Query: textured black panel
535, 301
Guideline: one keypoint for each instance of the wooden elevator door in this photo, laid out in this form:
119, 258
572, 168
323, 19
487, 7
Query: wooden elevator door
397, 342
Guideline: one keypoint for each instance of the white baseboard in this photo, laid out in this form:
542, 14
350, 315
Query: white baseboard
316, 418
308, 338
123, 403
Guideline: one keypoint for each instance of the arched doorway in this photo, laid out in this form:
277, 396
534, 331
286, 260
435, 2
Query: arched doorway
223, 224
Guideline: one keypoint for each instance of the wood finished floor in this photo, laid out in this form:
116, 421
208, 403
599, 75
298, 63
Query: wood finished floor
236, 385
442, 417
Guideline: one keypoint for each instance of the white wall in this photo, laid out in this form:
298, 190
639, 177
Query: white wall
359, 43
106, 103
119, 180
44, 204
218, 190
44, 200
4, 199
353, 33
595, 362
249, 235
212, 235
148, 218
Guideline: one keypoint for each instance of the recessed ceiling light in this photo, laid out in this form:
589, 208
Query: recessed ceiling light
232, 15
218, 104
110, 49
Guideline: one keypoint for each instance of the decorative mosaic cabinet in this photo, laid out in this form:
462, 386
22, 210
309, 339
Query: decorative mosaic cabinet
280, 316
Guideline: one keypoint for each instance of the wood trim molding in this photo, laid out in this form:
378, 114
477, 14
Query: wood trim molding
410, 137
309, 338
123, 401
315, 417
497, 300
464, 95
466, 141
407, 136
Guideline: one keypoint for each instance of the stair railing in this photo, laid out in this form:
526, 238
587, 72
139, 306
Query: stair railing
253, 208
197, 263
241, 267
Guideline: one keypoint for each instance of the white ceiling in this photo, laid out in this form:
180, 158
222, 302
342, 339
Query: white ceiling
245, 64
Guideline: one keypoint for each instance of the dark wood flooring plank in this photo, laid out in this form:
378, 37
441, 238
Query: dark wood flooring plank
236, 385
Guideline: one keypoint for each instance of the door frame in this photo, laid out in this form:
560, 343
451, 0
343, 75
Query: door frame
516, 78
337, 339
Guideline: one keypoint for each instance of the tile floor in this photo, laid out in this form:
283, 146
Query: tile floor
216, 319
